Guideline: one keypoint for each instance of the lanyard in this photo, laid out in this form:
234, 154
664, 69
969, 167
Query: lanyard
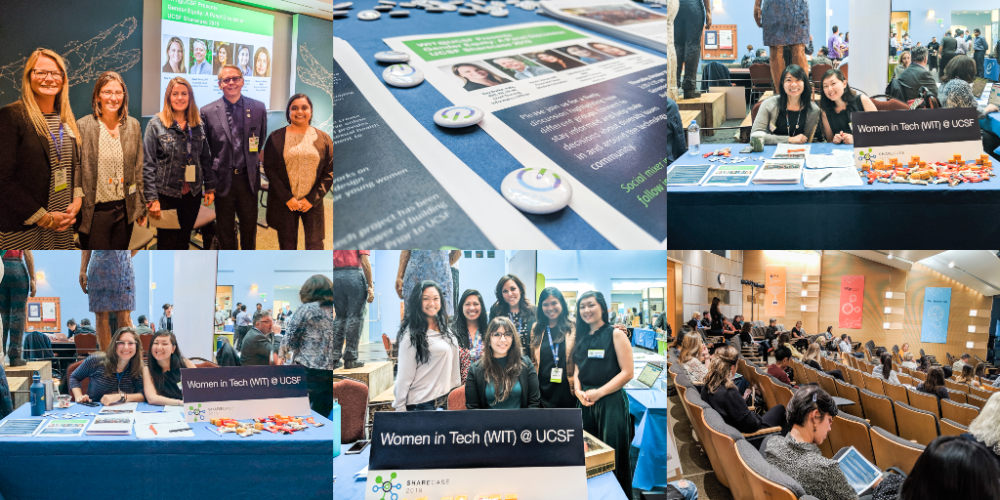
555, 348
190, 140
478, 347
58, 144
518, 314
788, 123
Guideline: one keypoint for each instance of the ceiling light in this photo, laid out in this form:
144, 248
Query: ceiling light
890, 256
951, 264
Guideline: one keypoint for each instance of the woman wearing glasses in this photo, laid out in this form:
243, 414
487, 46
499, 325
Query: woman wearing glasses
504, 379
428, 367
115, 375
41, 151
111, 169
164, 371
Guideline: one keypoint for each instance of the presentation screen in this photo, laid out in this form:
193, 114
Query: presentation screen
199, 37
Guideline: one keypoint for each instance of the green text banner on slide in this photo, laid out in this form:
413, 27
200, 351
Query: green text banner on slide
559, 99
199, 37
312, 68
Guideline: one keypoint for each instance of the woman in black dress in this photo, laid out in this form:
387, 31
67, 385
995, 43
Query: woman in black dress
552, 336
163, 373
837, 103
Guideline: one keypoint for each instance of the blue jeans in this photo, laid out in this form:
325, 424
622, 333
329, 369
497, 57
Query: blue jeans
690, 491
441, 402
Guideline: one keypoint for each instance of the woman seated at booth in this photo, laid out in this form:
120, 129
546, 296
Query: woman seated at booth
115, 375
163, 375
838, 102
791, 116
504, 378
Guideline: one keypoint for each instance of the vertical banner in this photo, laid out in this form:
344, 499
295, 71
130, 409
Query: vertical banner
852, 294
774, 303
937, 305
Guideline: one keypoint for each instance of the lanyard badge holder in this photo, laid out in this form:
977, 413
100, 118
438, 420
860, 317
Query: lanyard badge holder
190, 170
59, 174
557, 372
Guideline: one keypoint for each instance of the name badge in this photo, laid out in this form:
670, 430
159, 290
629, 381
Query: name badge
595, 353
254, 142
60, 179
556, 377
131, 189
190, 173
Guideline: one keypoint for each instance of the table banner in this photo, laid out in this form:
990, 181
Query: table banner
774, 305
937, 306
991, 70
931, 134
852, 295
244, 392
451, 454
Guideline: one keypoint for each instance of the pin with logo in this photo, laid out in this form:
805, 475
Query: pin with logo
403, 75
458, 116
536, 191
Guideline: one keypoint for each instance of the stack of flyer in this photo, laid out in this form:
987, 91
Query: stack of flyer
779, 172
621, 19
111, 425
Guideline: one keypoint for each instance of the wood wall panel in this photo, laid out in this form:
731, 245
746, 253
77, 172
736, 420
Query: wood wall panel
796, 264
878, 279
673, 308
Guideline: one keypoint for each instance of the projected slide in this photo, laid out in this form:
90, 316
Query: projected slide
199, 37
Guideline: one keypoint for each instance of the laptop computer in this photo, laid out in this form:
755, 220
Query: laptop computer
647, 377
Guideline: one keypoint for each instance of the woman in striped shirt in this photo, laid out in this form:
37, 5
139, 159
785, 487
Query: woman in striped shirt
115, 375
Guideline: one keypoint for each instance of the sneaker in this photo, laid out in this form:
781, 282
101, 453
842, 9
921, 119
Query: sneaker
18, 362
353, 364
337, 364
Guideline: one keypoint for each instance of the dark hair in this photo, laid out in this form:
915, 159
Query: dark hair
781, 353
965, 355
886, 365
843, 336
415, 321
317, 288
489, 74
167, 306
827, 104
953, 467
807, 399
976, 30
243, 307
795, 71
829, 328
878, 352
581, 326
288, 107
714, 309
503, 378
71, 322
761, 51
141, 319
961, 67
95, 102
980, 369
824, 50
461, 323
919, 54
85, 322
502, 308
563, 325
176, 359
835, 29
934, 381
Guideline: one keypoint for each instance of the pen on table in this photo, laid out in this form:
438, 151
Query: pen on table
825, 177
180, 430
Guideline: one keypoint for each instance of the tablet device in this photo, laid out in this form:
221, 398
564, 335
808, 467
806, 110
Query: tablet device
861, 473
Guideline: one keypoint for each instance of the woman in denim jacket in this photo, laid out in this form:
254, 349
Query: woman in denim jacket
178, 164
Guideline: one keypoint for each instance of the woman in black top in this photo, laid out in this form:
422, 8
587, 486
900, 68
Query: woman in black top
721, 394
603, 358
503, 378
513, 303
935, 385
738, 322
164, 371
716, 327
837, 103
551, 339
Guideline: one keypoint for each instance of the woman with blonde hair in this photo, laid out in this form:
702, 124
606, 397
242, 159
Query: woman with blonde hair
985, 428
177, 173
175, 56
262, 62
968, 376
694, 355
811, 358
721, 394
41, 151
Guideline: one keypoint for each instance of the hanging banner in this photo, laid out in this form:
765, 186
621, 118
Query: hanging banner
852, 294
774, 303
937, 306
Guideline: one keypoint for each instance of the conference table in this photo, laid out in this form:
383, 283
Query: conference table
484, 155
264, 466
649, 407
867, 216
644, 337
601, 487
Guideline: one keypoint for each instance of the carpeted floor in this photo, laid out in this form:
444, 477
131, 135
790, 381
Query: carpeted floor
694, 461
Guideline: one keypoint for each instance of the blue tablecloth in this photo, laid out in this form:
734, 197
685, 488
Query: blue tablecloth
474, 146
228, 328
602, 487
649, 406
265, 466
644, 337
869, 216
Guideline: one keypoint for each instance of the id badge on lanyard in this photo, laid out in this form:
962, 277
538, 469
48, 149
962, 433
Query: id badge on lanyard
557, 373
59, 173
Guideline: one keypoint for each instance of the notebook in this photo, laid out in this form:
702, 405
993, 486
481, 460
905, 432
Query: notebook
861, 473
647, 377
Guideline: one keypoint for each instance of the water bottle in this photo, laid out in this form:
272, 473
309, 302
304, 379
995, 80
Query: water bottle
335, 416
37, 395
694, 137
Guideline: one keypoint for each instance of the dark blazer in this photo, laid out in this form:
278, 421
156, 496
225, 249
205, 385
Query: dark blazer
915, 77
733, 408
257, 348
220, 142
948, 46
25, 170
475, 386
86, 175
280, 189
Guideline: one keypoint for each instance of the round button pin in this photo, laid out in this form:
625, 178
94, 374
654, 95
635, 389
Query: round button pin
383, 8
496, 12
458, 116
399, 13
392, 56
536, 191
342, 6
369, 15
448, 7
402, 75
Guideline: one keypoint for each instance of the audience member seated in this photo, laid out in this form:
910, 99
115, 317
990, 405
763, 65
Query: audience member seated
762, 57
916, 76
695, 321
822, 58
904, 62
745, 337
71, 328
845, 344
790, 116
723, 396
925, 364
163, 374
115, 375
143, 327
962, 361
706, 320
694, 355
908, 361
968, 376
837, 103
811, 358
784, 340
985, 428
956, 87
885, 370
86, 327
798, 337
738, 322
810, 413
952, 467
780, 368
935, 385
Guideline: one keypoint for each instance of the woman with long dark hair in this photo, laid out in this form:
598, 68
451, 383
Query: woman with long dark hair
428, 366
164, 371
953, 467
469, 325
504, 379
115, 374
603, 358
837, 103
792, 117
884, 369
552, 337
309, 340
513, 303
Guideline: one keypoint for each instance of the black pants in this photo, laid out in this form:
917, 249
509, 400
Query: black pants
946, 57
240, 203
14, 290
187, 207
775, 417
288, 237
320, 386
350, 292
240, 332
688, 25
979, 56
109, 228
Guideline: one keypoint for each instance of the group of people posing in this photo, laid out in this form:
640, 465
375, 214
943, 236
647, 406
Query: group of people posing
98, 176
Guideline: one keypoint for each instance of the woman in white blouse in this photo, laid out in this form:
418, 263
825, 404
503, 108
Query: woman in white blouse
694, 357
428, 367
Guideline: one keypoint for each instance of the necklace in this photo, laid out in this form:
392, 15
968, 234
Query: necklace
788, 122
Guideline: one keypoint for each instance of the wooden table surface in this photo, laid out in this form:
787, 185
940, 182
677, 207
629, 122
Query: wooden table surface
688, 115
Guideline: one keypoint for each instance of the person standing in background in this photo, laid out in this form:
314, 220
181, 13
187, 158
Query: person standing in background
258, 313
693, 17
933, 53
979, 52
352, 288
17, 283
243, 324
963, 45
949, 47
893, 45
166, 321
107, 277
308, 338
143, 325
833, 45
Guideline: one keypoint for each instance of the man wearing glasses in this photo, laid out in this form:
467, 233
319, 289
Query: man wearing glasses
259, 343
236, 126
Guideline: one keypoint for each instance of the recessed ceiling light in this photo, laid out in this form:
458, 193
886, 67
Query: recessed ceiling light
951, 264
890, 256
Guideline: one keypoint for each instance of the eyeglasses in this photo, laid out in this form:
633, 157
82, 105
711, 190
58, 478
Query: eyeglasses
42, 74
498, 335
108, 93
232, 79
122, 343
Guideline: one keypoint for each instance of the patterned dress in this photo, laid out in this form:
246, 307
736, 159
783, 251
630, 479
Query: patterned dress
786, 22
111, 281
430, 265
309, 334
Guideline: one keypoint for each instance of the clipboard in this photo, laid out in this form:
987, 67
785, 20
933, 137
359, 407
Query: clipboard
168, 220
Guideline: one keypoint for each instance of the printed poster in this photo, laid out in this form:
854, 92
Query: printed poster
774, 303
852, 293
937, 306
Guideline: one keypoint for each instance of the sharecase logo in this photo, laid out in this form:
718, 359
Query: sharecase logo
539, 182
387, 486
198, 413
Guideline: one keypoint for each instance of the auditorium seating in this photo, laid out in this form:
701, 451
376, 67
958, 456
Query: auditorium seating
878, 410
915, 424
958, 412
893, 451
950, 428
848, 430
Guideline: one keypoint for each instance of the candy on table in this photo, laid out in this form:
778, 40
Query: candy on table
510, 496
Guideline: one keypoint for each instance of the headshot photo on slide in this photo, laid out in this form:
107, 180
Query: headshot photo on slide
243, 55
222, 56
174, 48
474, 75
262, 62
201, 57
